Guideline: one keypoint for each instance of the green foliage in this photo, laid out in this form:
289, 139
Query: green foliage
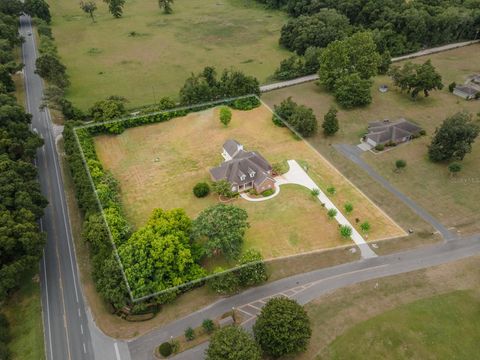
165, 349
415, 78
205, 86
49, 67
225, 115
39, 9
330, 122
455, 168
115, 7
89, 7
223, 188
345, 231
225, 282
400, 164
4, 337
158, 256
452, 86
282, 328
454, 139
189, 334
379, 147
385, 62
353, 91
246, 103
315, 192
252, 270
299, 117
348, 208
331, 190
356, 54
201, 189
111, 108
280, 168
317, 30
332, 213
208, 325
365, 227
268, 192
166, 5
221, 229
232, 343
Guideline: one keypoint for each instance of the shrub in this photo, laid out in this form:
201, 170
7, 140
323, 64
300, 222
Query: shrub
165, 349
454, 168
332, 213
223, 188
232, 343
189, 334
254, 272
280, 168
331, 190
201, 189
175, 345
247, 103
225, 115
422, 132
208, 325
315, 192
225, 282
365, 226
268, 192
452, 86
379, 147
345, 231
348, 208
400, 164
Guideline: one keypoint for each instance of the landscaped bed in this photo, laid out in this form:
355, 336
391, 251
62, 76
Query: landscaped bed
158, 165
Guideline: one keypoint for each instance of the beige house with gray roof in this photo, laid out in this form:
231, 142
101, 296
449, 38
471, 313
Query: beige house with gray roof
386, 131
244, 170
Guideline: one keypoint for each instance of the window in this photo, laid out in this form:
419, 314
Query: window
242, 177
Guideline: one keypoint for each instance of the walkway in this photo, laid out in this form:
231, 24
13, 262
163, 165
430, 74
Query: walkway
313, 77
353, 153
296, 175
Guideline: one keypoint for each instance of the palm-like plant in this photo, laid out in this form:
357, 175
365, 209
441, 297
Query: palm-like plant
166, 5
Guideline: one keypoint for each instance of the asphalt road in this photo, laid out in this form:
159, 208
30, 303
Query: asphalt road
70, 333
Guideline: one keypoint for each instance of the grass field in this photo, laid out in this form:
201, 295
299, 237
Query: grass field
441, 328
439, 304
24, 312
453, 201
158, 165
103, 58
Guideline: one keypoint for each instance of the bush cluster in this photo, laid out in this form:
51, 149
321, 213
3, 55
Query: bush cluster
201, 189
4, 337
299, 117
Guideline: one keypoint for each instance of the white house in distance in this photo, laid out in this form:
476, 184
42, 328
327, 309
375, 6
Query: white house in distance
470, 89
244, 170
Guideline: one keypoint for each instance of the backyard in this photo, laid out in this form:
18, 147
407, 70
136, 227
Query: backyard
158, 165
146, 54
452, 200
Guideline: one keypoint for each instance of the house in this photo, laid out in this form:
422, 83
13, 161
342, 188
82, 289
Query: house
244, 170
386, 131
465, 92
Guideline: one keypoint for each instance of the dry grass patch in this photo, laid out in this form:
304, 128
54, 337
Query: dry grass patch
158, 165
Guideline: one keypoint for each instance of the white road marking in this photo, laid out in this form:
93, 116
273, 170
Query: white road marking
81, 328
84, 348
117, 352
46, 299
79, 314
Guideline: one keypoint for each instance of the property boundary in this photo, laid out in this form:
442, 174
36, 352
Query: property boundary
193, 108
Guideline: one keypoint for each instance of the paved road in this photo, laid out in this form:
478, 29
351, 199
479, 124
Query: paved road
353, 153
68, 327
307, 287
308, 78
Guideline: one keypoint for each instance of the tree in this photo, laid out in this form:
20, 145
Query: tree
352, 91
330, 122
415, 78
49, 67
253, 270
38, 8
225, 115
166, 5
222, 188
115, 7
400, 164
365, 227
232, 343
454, 168
224, 282
345, 231
201, 189
89, 7
299, 117
159, 256
222, 228
282, 328
111, 108
355, 54
454, 139
284, 111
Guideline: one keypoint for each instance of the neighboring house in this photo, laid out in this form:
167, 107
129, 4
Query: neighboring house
386, 131
470, 89
244, 170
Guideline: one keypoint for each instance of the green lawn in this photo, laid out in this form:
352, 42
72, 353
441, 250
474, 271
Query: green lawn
441, 327
103, 58
24, 312
453, 201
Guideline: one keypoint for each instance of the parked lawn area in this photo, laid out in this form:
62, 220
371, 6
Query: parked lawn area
146, 54
425, 314
158, 165
24, 312
441, 327
452, 201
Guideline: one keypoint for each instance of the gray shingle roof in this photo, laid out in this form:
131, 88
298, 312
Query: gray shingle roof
385, 131
232, 147
468, 90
